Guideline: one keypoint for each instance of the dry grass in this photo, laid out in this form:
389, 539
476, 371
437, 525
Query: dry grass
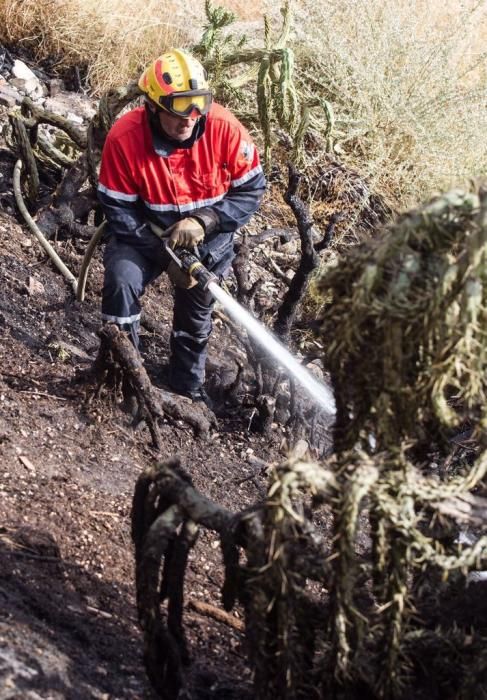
114, 39
407, 80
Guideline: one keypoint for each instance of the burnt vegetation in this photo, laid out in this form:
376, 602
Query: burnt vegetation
352, 571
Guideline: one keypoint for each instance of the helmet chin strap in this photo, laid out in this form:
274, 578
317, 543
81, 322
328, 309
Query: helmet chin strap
151, 105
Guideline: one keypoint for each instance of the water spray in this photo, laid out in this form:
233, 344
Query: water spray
190, 263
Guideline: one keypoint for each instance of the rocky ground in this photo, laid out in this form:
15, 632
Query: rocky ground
68, 466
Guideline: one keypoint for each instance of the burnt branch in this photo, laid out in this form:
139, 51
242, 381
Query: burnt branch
240, 269
166, 514
174, 584
277, 270
283, 235
37, 116
329, 232
163, 652
219, 615
66, 168
24, 147
307, 264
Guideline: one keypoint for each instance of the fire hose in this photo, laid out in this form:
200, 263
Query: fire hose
191, 264
37, 232
85, 265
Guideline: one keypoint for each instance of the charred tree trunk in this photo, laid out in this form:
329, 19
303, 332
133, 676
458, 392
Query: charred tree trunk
268, 375
307, 265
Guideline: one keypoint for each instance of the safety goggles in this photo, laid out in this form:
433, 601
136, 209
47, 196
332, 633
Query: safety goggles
192, 103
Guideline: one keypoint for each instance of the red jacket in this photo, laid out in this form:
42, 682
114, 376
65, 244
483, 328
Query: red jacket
217, 176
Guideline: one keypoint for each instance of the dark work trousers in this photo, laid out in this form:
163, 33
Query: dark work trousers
128, 271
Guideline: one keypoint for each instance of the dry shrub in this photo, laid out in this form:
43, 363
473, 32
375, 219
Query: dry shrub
405, 337
407, 83
242, 9
406, 327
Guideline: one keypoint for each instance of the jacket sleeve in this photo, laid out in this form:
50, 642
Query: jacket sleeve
247, 185
118, 193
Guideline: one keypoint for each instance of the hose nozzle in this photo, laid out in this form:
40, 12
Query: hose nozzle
190, 263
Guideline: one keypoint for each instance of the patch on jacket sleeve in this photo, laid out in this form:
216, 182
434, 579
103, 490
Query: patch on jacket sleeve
247, 150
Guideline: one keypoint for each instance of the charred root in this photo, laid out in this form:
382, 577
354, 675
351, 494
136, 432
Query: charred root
120, 371
166, 515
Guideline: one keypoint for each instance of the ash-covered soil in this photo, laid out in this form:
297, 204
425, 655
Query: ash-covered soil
68, 622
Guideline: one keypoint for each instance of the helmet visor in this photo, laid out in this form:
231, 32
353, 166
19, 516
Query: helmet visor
192, 103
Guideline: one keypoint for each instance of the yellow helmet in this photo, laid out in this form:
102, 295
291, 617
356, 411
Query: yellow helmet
178, 83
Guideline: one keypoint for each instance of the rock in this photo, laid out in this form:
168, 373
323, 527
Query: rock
6, 60
26, 81
27, 463
70, 349
316, 370
290, 247
300, 450
20, 70
33, 88
56, 86
9, 96
66, 103
35, 287
54, 106
19, 84
75, 118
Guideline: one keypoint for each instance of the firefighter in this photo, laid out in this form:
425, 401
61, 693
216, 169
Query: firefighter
182, 167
